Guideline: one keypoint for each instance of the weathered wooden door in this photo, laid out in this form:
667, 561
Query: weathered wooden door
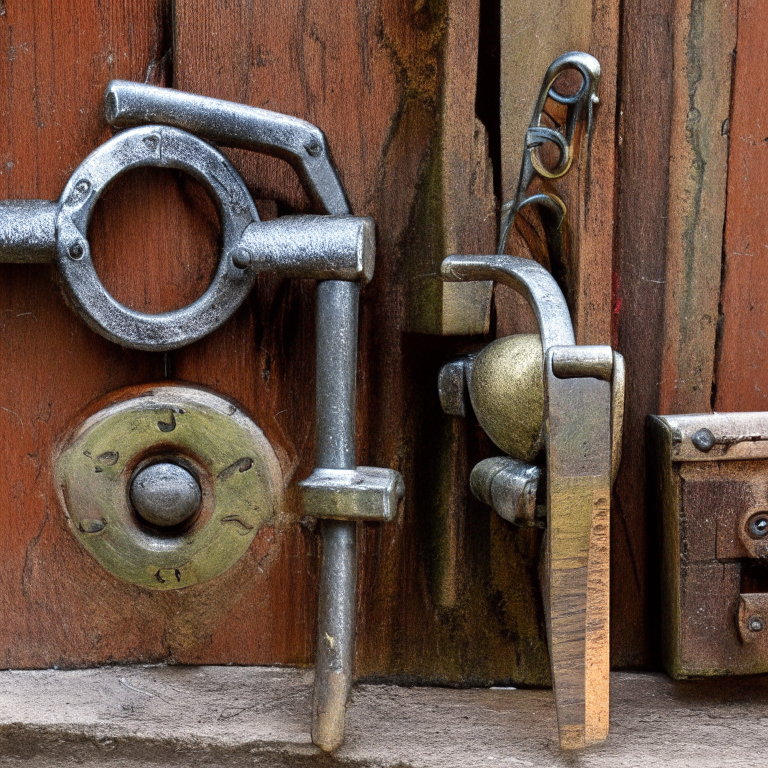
424, 104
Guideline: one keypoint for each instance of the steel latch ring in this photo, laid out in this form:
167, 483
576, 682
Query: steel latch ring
162, 147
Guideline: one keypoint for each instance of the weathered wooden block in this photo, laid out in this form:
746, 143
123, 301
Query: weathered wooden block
710, 472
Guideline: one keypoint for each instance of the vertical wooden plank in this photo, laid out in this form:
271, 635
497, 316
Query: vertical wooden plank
742, 371
59, 606
457, 211
291, 59
533, 36
675, 76
644, 132
704, 41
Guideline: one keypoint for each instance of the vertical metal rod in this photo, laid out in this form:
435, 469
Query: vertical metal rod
336, 324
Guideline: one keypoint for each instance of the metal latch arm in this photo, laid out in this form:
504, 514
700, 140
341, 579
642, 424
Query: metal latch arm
298, 142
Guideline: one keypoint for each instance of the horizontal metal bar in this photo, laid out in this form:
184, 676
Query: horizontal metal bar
318, 247
512, 488
28, 231
298, 142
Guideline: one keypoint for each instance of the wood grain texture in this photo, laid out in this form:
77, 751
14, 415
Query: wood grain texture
379, 76
371, 74
56, 60
742, 371
401, 126
703, 45
533, 36
675, 85
457, 208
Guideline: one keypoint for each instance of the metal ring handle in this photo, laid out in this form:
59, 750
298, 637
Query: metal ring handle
160, 147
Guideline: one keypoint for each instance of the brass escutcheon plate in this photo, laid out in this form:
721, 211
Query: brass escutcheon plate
236, 467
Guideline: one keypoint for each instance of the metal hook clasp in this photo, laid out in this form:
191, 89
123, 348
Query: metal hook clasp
580, 109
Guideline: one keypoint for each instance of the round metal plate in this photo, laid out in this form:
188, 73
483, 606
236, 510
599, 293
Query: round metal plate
235, 465
165, 148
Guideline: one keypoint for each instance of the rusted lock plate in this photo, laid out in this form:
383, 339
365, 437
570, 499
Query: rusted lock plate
711, 477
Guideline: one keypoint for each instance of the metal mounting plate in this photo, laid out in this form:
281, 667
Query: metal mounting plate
236, 467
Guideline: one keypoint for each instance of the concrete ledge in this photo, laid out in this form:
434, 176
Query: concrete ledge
237, 716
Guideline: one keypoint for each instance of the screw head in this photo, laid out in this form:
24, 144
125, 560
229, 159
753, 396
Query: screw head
313, 147
241, 257
757, 526
755, 624
76, 251
704, 440
165, 494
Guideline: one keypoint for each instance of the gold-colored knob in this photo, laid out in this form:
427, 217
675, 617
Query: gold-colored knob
506, 388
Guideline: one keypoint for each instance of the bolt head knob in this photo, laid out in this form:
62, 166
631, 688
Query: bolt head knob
506, 388
758, 525
165, 494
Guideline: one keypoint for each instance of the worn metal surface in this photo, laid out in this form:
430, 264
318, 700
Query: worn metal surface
576, 579
506, 389
364, 493
335, 249
595, 361
28, 231
236, 467
317, 247
298, 142
714, 509
752, 618
335, 400
618, 390
577, 425
304, 146
529, 279
734, 436
165, 494
512, 488
165, 148
452, 386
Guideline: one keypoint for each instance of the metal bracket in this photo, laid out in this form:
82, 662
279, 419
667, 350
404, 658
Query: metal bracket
365, 493
337, 249
710, 472
583, 410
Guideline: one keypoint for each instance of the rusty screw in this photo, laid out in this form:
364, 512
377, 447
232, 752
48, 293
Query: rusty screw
755, 624
757, 527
